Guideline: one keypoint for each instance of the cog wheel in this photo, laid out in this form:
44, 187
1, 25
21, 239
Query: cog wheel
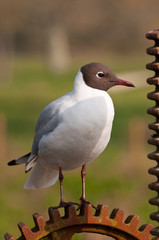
63, 228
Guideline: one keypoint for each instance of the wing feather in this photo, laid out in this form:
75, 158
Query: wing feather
48, 120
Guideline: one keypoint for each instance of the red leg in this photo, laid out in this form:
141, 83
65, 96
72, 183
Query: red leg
61, 177
62, 202
83, 175
83, 198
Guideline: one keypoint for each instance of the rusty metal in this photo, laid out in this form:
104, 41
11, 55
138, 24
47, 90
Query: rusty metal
63, 228
154, 140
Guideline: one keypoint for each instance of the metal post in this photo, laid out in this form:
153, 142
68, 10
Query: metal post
154, 140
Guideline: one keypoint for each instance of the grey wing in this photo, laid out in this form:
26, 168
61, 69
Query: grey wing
47, 122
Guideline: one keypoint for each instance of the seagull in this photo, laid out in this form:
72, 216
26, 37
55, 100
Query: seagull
73, 130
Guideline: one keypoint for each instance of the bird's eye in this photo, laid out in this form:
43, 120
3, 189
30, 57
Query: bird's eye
100, 74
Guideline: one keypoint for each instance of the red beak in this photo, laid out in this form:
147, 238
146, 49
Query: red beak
124, 83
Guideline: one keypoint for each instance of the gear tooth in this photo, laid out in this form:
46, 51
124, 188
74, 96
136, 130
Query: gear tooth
54, 214
134, 221
39, 221
35, 218
128, 219
146, 228
70, 212
86, 210
113, 213
117, 214
154, 216
7, 236
102, 210
98, 210
155, 232
21, 225
25, 231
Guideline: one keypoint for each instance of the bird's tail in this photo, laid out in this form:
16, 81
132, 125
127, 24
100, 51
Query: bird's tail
41, 177
21, 160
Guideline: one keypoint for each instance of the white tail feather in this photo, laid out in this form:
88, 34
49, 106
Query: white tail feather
32, 159
41, 177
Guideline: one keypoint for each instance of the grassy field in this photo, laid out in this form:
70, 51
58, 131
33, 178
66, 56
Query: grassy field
117, 178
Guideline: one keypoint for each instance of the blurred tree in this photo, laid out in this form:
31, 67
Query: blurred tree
58, 54
104, 26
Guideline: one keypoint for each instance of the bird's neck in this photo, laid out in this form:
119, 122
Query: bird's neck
83, 91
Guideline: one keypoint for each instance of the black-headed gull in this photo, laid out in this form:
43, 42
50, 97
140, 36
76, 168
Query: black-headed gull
72, 130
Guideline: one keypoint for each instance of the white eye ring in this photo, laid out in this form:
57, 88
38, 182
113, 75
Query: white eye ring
100, 74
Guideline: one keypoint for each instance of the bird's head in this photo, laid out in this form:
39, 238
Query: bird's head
99, 76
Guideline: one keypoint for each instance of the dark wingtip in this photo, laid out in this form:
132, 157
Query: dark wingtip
12, 163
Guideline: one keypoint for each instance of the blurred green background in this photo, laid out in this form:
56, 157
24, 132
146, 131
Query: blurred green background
42, 46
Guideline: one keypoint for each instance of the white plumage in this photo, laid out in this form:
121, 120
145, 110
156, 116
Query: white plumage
82, 121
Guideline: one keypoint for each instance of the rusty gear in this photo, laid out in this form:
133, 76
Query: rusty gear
63, 228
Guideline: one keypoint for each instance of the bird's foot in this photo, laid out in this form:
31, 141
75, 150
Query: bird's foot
83, 201
63, 204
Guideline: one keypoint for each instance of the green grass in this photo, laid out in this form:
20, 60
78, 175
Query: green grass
31, 88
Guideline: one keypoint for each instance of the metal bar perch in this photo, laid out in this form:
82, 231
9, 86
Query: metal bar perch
154, 140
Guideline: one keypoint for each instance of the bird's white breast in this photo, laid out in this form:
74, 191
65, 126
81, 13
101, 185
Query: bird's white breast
83, 132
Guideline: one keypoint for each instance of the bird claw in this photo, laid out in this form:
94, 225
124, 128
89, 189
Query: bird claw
65, 205
83, 202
